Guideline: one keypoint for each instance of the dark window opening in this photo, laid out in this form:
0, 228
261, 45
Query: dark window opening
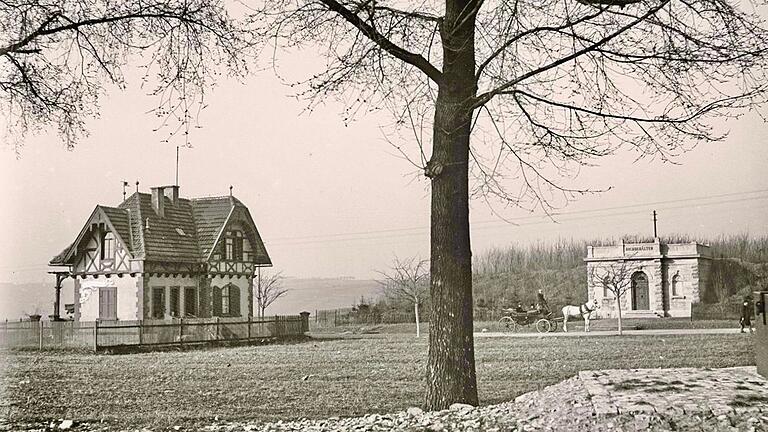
190, 302
158, 302
175, 302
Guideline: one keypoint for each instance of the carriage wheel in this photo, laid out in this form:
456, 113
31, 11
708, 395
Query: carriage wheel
554, 325
543, 325
507, 324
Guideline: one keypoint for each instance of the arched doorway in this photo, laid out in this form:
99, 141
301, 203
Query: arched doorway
640, 292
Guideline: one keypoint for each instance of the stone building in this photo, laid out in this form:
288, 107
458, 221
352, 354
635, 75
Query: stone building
160, 256
662, 280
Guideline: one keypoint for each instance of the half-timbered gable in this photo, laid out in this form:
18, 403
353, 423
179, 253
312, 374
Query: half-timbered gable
237, 248
173, 257
101, 247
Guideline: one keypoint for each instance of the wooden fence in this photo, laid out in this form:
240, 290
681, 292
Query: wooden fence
100, 335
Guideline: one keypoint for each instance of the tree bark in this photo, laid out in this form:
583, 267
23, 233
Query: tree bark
416, 311
618, 303
451, 367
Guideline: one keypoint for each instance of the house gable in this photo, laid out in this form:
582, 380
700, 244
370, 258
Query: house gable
100, 247
240, 220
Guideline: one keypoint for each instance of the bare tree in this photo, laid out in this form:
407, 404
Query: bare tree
57, 56
542, 88
268, 288
407, 279
615, 279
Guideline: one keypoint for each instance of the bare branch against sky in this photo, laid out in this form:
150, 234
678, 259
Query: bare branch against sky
59, 58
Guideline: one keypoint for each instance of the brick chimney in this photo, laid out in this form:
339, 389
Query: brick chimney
158, 200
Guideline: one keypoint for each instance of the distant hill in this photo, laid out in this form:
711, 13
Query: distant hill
18, 300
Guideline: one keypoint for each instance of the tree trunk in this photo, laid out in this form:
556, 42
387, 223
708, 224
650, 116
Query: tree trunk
416, 310
451, 366
618, 303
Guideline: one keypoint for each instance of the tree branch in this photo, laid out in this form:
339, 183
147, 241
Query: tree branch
411, 58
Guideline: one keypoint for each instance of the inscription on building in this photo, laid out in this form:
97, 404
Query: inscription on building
639, 248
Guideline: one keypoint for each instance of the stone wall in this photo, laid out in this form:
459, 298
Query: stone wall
761, 336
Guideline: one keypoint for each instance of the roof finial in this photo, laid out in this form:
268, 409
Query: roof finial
137, 185
125, 185
230, 190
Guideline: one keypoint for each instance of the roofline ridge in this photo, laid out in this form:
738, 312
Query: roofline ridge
110, 207
211, 197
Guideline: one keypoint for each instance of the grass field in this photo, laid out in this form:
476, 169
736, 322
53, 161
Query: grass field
317, 378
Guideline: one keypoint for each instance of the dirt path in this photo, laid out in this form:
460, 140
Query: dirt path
582, 333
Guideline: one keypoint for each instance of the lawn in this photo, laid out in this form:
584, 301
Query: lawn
317, 378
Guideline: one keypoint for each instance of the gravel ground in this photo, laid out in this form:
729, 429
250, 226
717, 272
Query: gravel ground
565, 406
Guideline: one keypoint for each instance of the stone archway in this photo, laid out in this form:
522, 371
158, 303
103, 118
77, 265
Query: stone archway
640, 300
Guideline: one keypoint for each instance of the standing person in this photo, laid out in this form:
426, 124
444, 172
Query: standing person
746, 316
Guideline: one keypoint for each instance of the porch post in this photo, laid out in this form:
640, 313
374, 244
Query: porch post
57, 298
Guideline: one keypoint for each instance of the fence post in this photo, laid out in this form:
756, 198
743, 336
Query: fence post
96, 336
249, 328
141, 332
218, 331
181, 332
40, 335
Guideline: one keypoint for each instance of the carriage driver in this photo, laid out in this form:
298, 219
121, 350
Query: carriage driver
541, 302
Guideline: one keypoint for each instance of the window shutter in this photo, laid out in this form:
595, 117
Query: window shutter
205, 300
216, 301
102, 304
234, 301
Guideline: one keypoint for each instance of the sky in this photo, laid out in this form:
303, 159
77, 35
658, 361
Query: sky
332, 199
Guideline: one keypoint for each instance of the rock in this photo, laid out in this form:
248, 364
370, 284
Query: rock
461, 407
414, 411
66, 424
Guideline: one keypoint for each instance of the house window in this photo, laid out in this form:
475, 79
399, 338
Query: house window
233, 246
158, 302
676, 285
190, 302
108, 303
229, 248
225, 300
606, 287
175, 305
108, 246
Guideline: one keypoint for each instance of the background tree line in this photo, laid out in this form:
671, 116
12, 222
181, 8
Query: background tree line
504, 277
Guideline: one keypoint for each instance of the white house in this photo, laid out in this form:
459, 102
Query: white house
160, 256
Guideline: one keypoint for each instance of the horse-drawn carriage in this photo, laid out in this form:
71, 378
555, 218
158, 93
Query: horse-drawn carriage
514, 320
544, 319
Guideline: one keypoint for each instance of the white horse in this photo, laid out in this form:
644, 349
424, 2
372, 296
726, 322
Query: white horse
584, 310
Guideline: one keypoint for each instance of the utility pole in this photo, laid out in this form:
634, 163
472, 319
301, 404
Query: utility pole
654, 225
177, 166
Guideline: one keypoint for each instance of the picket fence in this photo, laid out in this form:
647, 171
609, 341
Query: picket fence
101, 335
